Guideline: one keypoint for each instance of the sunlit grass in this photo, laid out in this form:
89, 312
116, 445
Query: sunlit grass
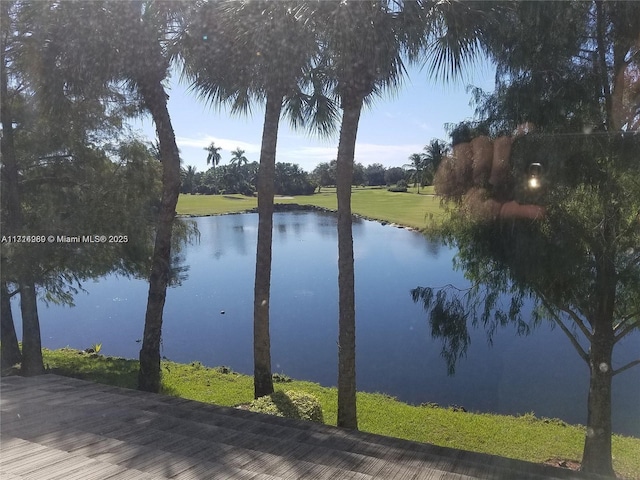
524, 437
408, 209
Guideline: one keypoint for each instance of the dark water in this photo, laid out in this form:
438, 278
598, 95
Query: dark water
540, 373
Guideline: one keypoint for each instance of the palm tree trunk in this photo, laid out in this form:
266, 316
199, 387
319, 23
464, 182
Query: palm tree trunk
263, 381
155, 99
596, 457
32, 363
347, 414
8, 338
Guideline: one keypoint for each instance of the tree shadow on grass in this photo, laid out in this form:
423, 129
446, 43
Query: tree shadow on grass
115, 371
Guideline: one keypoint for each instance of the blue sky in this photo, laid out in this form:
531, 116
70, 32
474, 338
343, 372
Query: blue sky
393, 128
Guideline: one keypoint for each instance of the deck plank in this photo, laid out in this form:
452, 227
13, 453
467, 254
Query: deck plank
55, 428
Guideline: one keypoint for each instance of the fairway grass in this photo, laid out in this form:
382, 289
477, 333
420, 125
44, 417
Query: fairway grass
520, 437
408, 209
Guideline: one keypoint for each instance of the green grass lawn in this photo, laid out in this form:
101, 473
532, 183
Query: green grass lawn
409, 209
524, 437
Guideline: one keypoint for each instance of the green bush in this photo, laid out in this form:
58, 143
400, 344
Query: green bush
290, 404
281, 378
401, 186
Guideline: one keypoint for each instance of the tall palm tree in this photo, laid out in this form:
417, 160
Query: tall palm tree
143, 29
366, 45
238, 53
364, 55
213, 155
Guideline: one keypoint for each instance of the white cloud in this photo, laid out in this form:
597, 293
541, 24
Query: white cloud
310, 155
366, 153
388, 155
226, 143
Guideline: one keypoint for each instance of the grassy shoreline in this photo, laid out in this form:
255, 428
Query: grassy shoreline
524, 437
406, 209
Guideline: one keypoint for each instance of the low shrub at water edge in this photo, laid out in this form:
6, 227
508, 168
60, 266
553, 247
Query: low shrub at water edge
290, 404
281, 378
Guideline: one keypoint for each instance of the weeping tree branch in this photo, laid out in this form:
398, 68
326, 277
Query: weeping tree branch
626, 367
556, 318
565, 308
577, 320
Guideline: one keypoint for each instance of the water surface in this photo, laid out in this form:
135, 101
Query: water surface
540, 373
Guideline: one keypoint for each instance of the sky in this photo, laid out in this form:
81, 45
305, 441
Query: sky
391, 129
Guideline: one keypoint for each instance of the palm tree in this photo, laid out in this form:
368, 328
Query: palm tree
416, 165
257, 51
239, 172
188, 176
142, 28
238, 159
433, 155
213, 156
364, 55
435, 152
365, 46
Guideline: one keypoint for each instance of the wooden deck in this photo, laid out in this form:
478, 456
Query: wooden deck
55, 427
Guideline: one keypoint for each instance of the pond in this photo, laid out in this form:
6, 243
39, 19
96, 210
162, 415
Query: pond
396, 355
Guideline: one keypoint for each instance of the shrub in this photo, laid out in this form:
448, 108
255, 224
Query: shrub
281, 378
290, 404
401, 186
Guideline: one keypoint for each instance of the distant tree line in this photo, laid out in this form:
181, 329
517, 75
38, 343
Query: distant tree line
290, 179
241, 176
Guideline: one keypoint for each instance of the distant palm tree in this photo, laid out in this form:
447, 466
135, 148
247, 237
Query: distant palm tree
433, 155
238, 159
435, 152
188, 176
213, 157
416, 166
